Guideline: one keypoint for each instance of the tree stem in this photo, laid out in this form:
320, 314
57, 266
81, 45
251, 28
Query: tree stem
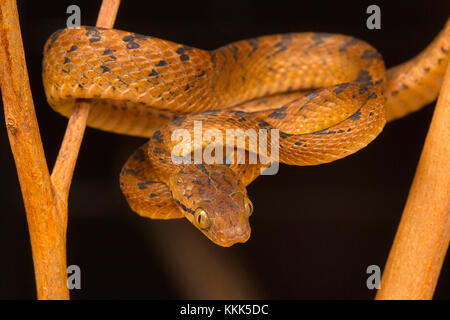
45, 197
423, 236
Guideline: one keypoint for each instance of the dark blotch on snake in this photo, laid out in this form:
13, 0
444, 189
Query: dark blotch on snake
144, 185
313, 94
240, 115
178, 121
72, 48
356, 116
363, 87
184, 57
105, 68
213, 58
279, 113
132, 45
201, 74
202, 167
162, 63
338, 90
323, 132
153, 73
254, 44
130, 172
210, 112
234, 49
372, 95
370, 55
53, 38
343, 47
363, 76
139, 155
128, 38
263, 123
284, 135
158, 136
107, 51
184, 207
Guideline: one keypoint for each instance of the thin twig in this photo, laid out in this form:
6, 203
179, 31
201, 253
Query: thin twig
68, 153
65, 163
108, 13
423, 236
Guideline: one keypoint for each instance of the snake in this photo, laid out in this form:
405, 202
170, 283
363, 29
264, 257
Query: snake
327, 95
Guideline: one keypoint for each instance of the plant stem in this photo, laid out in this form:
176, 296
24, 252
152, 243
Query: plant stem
423, 236
45, 219
45, 197
68, 153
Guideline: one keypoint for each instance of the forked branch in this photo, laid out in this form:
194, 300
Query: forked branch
45, 198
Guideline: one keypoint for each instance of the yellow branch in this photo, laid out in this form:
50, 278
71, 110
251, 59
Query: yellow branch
68, 153
423, 236
47, 230
45, 197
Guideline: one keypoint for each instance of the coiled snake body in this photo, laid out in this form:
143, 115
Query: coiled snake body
327, 94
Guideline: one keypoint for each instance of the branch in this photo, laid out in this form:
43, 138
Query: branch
108, 13
423, 236
45, 197
68, 153
47, 230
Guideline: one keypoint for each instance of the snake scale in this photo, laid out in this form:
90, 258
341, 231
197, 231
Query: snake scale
329, 95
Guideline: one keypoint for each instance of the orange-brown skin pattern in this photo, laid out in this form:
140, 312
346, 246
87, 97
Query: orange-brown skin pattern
326, 93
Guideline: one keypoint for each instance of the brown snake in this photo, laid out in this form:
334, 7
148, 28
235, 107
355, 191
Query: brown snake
329, 95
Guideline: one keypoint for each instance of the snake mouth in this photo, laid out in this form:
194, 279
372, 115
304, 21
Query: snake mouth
225, 239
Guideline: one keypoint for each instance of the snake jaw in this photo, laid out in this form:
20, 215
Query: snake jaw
231, 236
226, 232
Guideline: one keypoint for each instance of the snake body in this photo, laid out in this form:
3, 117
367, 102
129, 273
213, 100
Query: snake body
327, 94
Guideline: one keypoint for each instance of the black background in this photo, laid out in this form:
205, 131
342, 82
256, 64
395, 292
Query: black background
315, 229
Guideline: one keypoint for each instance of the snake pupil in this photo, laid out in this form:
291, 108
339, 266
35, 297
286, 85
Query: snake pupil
202, 218
249, 206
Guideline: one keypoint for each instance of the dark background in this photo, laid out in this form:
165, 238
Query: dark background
315, 229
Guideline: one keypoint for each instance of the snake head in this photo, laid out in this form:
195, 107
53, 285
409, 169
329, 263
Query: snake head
214, 201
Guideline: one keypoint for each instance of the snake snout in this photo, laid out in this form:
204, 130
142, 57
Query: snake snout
236, 234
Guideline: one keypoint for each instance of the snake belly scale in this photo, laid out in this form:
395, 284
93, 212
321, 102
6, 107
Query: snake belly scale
325, 93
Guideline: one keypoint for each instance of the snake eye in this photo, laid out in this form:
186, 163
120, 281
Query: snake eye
248, 206
202, 219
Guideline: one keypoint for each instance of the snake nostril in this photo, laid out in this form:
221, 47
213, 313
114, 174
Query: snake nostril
241, 235
236, 235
